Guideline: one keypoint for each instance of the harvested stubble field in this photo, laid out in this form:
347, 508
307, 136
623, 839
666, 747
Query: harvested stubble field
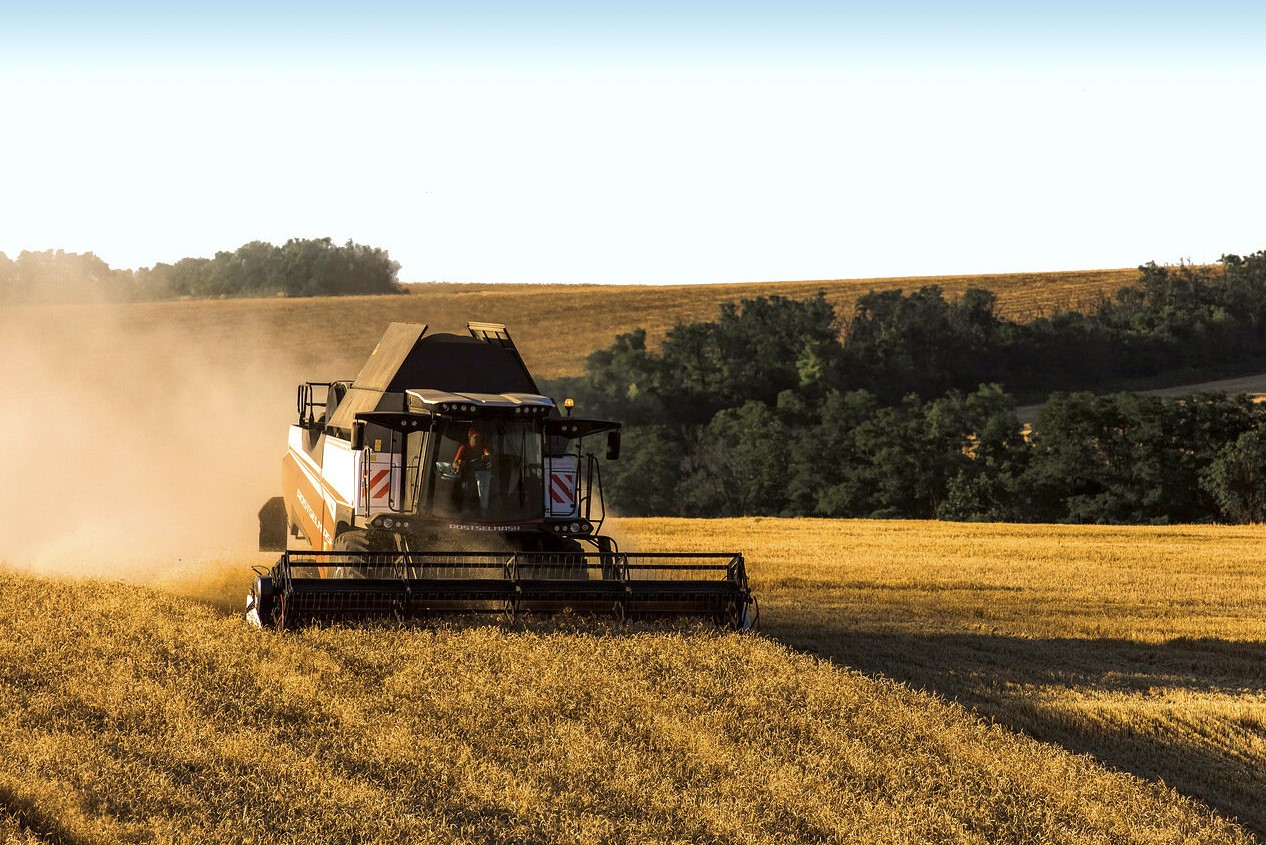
1142, 646
138, 715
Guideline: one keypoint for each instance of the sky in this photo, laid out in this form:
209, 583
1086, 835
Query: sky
649, 142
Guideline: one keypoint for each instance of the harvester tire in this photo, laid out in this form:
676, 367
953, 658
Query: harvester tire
353, 540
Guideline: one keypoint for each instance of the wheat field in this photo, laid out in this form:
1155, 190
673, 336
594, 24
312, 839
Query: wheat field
855, 716
1141, 646
133, 715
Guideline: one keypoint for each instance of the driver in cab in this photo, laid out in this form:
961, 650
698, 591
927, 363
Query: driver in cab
473, 465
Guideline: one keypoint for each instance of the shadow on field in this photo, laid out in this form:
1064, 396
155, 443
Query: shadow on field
1168, 711
22, 819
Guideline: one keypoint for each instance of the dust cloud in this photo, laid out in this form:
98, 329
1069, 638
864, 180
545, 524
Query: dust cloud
137, 442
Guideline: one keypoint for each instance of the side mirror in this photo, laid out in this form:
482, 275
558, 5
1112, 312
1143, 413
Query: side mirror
358, 435
613, 445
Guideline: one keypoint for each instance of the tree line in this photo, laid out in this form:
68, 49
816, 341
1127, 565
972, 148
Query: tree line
300, 267
907, 407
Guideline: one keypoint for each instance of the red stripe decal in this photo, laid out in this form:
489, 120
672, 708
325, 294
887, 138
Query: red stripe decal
560, 490
380, 484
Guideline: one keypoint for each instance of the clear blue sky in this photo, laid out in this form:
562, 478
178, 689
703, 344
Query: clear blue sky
639, 142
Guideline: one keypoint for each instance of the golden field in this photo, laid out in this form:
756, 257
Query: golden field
137, 715
1142, 646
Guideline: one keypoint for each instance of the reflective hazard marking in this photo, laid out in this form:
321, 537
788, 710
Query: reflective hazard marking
380, 485
380, 481
562, 492
561, 478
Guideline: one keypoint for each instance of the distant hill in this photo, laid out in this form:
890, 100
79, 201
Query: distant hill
558, 325
555, 326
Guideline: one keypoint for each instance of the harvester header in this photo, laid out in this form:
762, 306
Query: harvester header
441, 480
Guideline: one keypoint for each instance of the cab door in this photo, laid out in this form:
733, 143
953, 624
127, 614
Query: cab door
562, 475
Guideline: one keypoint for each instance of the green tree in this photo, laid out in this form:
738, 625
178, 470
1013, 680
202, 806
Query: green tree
989, 484
60, 276
824, 478
752, 352
253, 269
1098, 459
921, 343
192, 277
623, 381
870, 460
1130, 458
1236, 478
645, 479
739, 466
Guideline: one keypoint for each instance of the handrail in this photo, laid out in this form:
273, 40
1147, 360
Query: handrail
305, 401
595, 470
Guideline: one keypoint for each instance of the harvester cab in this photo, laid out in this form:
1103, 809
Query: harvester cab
441, 480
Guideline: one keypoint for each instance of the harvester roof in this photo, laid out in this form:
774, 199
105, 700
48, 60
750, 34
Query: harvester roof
459, 364
407, 358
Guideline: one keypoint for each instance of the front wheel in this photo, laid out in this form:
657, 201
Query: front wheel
354, 540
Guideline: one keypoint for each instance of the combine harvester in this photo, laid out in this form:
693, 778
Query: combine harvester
441, 481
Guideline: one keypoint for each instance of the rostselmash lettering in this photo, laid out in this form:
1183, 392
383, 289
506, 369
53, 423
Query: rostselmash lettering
303, 503
457, 526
